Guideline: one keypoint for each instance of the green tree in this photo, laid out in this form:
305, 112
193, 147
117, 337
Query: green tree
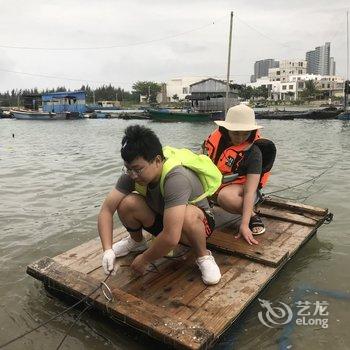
175, 97
310, 91
290, 95
147, 88
245, 92
260, 91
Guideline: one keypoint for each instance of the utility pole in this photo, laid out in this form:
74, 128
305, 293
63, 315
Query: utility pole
347, 45
346, 84
93, 96
228, 64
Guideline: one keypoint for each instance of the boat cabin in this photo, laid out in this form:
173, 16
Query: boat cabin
58, 102
111, 104
209, 95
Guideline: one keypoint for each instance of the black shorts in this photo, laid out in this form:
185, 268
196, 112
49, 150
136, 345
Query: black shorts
157, 226
208, 221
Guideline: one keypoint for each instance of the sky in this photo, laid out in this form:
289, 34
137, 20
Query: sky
68, 43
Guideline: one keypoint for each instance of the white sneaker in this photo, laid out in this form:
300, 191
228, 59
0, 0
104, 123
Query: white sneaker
127, 245
209, 269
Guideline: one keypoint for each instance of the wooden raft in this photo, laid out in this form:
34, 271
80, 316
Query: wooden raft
171, 303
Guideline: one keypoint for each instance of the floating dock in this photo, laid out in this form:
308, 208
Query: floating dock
170, 303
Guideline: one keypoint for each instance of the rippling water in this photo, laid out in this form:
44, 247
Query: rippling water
54, 176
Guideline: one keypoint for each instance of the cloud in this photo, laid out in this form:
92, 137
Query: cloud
159, 40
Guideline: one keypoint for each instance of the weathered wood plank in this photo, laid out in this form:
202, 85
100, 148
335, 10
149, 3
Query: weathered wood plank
284, 215
293, 206
233, 268
263, 253
233, 297
124, 273
79, 256
126, 308
180, 285
300, 235
87, 257
227, 304
166, 273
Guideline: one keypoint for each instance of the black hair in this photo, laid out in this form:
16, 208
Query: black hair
140, 141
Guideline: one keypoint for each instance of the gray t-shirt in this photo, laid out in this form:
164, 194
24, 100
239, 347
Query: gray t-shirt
181, 185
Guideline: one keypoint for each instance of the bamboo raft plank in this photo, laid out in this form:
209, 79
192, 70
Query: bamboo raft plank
171, 303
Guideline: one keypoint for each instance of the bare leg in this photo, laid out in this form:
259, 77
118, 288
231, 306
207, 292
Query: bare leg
230, 198
135, 213
193, 231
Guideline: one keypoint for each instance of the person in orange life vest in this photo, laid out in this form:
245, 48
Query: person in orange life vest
236, 149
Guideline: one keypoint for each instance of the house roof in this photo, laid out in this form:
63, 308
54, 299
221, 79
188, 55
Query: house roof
234, 86
65, 94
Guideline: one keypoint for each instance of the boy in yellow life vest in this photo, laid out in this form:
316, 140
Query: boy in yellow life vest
173, 206
245, 160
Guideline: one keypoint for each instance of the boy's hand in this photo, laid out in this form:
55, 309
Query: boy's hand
108, 261
139, 265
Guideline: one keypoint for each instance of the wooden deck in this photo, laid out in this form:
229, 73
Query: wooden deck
171, 303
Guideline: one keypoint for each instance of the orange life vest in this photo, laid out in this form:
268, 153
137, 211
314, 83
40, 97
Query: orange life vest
229, 159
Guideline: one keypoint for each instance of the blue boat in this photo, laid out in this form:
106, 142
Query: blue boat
344, 115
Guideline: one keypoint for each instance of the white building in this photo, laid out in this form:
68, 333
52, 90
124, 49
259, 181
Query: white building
281, 90
316, 77
333, 85
288, 91
277, 90
180, 87
287, 68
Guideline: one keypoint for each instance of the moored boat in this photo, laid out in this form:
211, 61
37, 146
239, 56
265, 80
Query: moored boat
326, 113
5, 114
344, 115
36, 115
165, 115
121, 114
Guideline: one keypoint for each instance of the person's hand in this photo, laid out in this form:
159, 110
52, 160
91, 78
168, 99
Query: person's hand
139, 265
247, 235
108, 261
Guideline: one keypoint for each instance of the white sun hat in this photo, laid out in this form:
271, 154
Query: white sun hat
239, 118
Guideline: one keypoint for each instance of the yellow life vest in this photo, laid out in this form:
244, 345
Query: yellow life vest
208, 174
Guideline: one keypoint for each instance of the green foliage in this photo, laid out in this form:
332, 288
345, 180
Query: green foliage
108, 93
104, 92
148, 89
10, 98
261, 91
247, 92
310, 91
